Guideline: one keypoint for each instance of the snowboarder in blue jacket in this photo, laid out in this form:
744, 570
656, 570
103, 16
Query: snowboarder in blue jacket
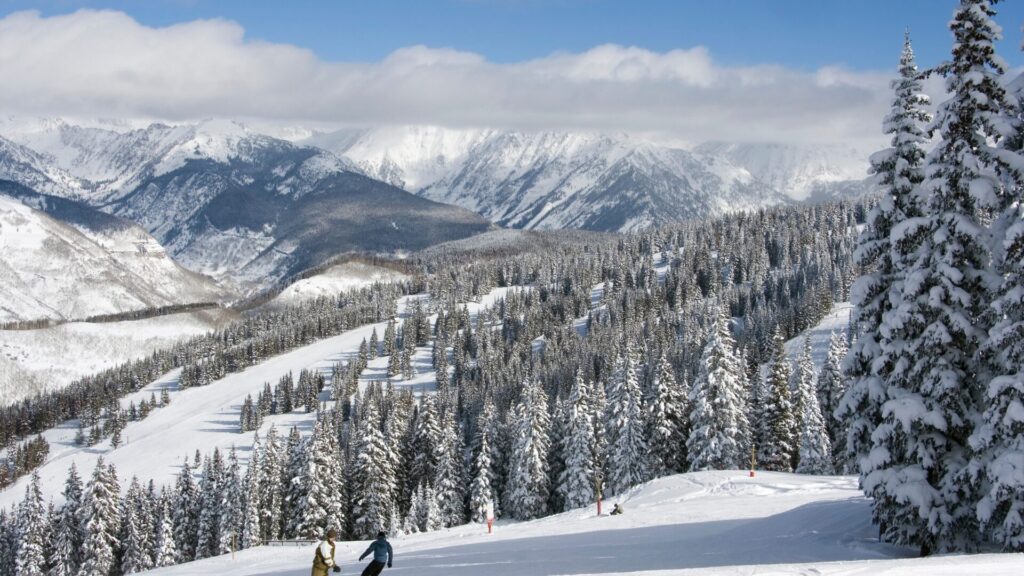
382, 554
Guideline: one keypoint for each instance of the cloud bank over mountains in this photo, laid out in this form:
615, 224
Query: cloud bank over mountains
106, 64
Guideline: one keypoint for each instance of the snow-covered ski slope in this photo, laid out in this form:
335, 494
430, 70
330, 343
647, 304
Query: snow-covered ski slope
207, 417
696, 523
837, 321
337, 278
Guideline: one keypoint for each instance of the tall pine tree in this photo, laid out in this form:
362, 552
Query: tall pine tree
777, 440
667, 420
885, 257
69, 529
31, 555
101, 519
527, 489
716, 412
576, 483
932, 389
627, 458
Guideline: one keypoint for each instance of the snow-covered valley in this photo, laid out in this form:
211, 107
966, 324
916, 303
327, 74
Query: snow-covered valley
27, 363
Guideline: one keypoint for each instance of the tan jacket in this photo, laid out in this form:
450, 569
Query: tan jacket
324, 559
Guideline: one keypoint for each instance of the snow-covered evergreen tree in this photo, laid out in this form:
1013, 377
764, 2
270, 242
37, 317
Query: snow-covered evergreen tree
32, 553
186, 517
251, 532
296, 483
146, 511
489, 425
210, 488
430, 520
627, 451
556, 460
101, 519
322, 506
527, 490
49, 533
598, 404
998, 439
374, 346
164, 551
231, 506
271, 486
480, 493
667, 420
68, 539
135, 538
8, 544
778, 440
831, 388
426, 438
449, 477
815, 448
116, 426
389, 338
395, 527
802, 386
576, 483
918, 465
374, 488
899, 171
412, 518
716, 407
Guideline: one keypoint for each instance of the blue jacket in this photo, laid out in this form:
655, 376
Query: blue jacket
381, 549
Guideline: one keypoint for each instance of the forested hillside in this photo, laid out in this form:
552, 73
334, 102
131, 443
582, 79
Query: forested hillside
625, 358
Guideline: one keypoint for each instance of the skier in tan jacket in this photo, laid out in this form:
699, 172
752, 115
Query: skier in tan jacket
324, 558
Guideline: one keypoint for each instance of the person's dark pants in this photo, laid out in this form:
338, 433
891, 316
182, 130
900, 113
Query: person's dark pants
373, 568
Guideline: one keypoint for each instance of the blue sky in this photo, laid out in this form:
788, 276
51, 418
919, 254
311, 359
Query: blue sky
681, 71
800, 34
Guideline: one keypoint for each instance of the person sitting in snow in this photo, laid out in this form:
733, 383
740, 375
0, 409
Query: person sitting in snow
324, 558
617, 509
382, 553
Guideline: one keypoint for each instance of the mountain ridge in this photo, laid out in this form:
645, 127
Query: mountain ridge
62, 260
595, 181
225, 200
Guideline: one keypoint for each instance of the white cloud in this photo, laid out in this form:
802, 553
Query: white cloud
106, 64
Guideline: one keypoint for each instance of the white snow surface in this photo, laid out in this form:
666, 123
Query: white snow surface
338, 278
27, 363
697, 523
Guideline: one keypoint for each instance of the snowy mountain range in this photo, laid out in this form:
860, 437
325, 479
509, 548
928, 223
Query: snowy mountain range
226, 201
599, 182
802, 172
62, 260
238, 205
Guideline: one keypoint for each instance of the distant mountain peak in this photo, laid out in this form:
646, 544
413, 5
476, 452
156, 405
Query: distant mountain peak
551, 179
795, 170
